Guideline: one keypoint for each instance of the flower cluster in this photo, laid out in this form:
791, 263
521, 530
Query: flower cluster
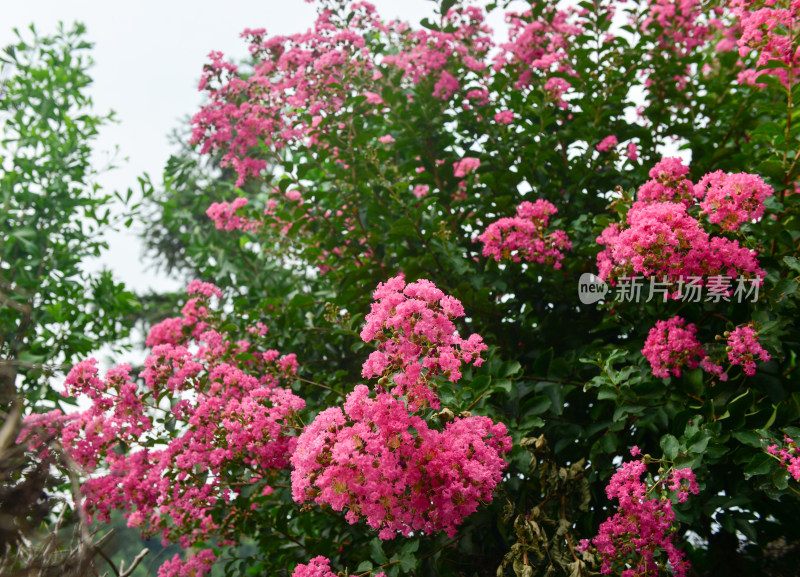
194, 566
378, 459
633, 539
525, 236
608, 143
449, 58
680, 24
389, 467
229, 423
668, 183
225, 218
465, 166
670, 346
417, 340
730, 200
767, 29
537, 46
743, 348
660, 237
319, 567
788, 455
291, 85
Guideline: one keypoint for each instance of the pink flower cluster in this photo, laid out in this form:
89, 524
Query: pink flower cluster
525, 236
670, 346
682, 24
632, 540
608, 143
291, 84
465, 166
194, 566
230, 423
379, 460
388, 466
668, 183
417, 340
661, 238
319, 567
769, 30
537, 46
225, 218
447, 58
731, 200
788, 455
744, 348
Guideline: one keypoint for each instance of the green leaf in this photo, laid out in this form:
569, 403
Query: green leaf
364, 566
792, 262
749, 438
781, 478
670, 446
536, 405
761, 464
376, 552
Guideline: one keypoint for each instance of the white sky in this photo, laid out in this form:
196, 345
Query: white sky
148, 58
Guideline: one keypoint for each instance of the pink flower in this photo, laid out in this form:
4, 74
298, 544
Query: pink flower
643, 528
421, 190
744, 348
683, 482
633, 154
465, 166
663, 241
525, 237
224, 217
385, 465
731, 200
386, 139
417, 340
670, 346
319, 567
373, 98
504, 117
608, 143
668, 183
446, 86
789, 456
229, 415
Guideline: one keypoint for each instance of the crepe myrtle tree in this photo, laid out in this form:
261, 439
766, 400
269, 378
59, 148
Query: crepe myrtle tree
402, 379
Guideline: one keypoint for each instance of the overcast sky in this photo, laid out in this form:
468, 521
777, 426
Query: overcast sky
148, 58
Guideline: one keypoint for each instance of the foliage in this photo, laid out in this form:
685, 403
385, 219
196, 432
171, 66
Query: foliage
53, 216
363, 149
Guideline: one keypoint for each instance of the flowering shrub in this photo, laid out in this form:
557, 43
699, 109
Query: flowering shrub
232, 430
617, 139
633, 540
380, 460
